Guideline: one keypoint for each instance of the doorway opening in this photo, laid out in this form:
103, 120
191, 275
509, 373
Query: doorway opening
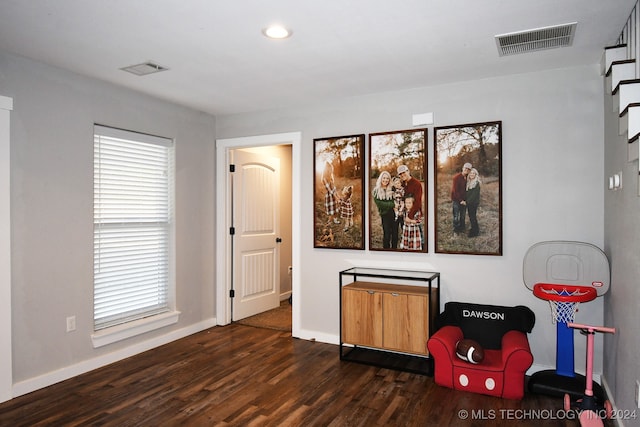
225, 150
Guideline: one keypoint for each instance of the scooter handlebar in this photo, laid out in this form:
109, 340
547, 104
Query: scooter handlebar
590, 328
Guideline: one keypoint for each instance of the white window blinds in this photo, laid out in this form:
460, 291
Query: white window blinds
133, 192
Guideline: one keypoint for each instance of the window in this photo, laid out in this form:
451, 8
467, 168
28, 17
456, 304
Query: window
132, 226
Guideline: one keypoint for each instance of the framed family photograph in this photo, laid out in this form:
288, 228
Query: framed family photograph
468, 188
397, 183
338, 200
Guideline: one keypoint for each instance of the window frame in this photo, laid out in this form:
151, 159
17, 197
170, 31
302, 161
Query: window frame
131, 325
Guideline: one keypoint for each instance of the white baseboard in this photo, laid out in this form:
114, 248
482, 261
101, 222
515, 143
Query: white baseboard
285, 295
309, 335
609, 395
50, 378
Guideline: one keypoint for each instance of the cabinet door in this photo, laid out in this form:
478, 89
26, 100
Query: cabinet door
405, 325
362, 317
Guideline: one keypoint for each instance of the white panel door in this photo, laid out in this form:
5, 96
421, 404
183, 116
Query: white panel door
255, 203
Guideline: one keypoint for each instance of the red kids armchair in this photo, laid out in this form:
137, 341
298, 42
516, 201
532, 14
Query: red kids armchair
502, 334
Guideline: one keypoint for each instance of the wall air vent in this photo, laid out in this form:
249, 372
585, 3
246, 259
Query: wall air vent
536, 39
144, 68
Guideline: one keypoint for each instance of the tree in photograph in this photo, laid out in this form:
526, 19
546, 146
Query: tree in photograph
469, 144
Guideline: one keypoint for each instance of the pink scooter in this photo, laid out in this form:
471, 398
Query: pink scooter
591, 411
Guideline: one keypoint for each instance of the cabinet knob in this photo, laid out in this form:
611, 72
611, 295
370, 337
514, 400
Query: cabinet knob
371, 292
395, 294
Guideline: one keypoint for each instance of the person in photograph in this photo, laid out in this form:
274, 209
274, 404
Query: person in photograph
472, 200
411, 231
414, 187
331, 200
458, 196
346, 207
383, 193
398, 202
411, 186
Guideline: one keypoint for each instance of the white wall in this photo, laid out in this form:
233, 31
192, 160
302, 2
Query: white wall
552, 186
51, 211
622, 237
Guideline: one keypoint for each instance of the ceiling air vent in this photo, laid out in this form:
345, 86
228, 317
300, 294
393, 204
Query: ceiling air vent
536, 39
144, 68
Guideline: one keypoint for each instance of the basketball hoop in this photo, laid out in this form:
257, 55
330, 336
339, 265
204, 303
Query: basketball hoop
564, 274
563, 299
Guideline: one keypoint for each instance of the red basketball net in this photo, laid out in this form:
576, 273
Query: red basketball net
563, 299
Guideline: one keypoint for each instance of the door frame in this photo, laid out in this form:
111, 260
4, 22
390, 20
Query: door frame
223, 218
6, 361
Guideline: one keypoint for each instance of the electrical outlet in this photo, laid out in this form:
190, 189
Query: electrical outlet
71, 323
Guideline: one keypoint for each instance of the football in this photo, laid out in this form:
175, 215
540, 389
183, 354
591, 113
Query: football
469, 351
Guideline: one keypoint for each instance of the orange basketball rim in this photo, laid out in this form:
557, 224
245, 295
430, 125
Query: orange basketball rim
564, 293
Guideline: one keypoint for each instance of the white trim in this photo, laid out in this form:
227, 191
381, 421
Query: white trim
6, 361
223, 146
285, 295
6, 103
610, 397
131, 135
131, 329
65, 373
323, 337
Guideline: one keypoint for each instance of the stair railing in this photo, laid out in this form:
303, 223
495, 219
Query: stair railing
630, 36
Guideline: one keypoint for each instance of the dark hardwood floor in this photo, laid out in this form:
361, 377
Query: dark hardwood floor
245, 376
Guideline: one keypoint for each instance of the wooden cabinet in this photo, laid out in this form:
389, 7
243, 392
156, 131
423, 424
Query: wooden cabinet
388, 324
393, 317
362, 316
405, 322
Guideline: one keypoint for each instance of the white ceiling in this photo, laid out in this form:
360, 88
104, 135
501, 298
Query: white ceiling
221, 63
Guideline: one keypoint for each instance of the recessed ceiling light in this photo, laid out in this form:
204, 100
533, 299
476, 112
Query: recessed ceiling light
276, 32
